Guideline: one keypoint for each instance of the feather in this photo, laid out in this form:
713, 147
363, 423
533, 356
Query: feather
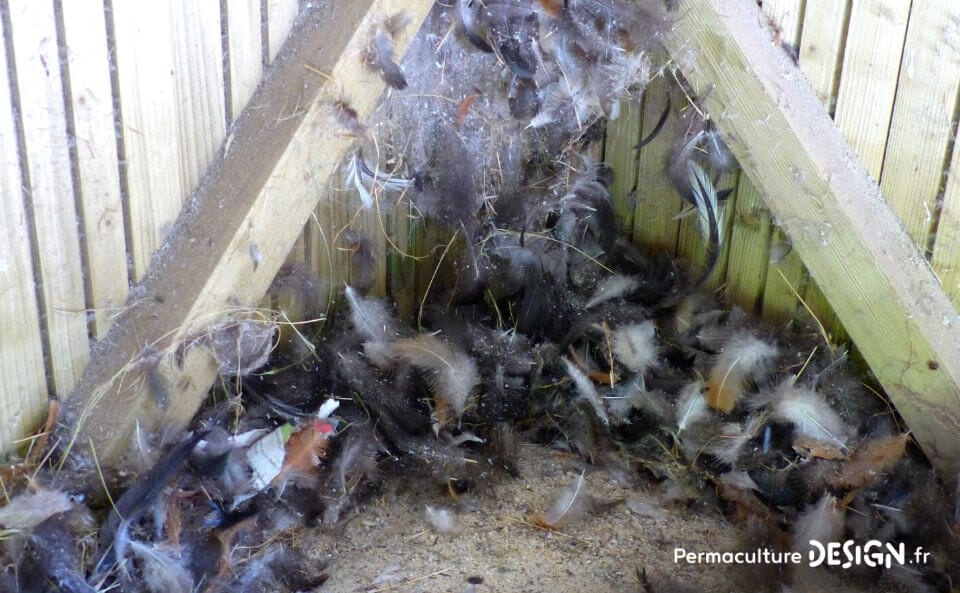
705, 198
727, 449
141, 495
691, 406
871, 461
26, 511
470, 26
452, 375
363, 261
821, 522
304, 450
371, 318
361, 177
379, 57
55, 558
442, 520
586, 390
635, 346
570, 505
162, 571
241, 347
810, 414
613, 287
742, 357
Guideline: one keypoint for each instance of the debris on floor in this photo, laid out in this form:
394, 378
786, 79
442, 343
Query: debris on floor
562, 413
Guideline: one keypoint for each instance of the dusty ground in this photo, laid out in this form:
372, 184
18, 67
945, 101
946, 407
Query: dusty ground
390, 546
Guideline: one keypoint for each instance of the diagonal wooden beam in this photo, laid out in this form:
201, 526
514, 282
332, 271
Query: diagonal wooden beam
856, 249
236, 230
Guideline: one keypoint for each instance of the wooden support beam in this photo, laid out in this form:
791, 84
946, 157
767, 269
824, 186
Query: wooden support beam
236, 230
853, 244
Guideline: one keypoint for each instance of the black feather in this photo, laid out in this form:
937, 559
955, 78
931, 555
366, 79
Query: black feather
138, 497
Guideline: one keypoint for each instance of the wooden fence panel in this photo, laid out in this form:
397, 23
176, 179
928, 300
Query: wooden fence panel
21, 349
48, 186
90, 103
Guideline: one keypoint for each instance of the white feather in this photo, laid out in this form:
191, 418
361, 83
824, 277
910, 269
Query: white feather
611, 288
354, 180
370, 317
441, 519
821, 522
571, 504
586, 390
162, 571
27, 510
728, 449
810, 414
691, 407
635, 345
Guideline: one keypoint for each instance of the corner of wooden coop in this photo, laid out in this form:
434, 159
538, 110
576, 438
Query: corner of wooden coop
795, 163
240, 225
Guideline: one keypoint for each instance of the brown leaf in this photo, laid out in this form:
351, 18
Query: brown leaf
871, 461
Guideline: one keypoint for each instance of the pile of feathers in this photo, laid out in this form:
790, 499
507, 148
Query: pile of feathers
548, 328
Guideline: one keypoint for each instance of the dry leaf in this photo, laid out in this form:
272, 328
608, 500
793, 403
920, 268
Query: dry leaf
871, 461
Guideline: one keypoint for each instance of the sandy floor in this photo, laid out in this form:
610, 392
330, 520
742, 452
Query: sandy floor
390, 546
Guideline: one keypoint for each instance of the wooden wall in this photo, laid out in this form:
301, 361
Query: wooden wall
110, 111
888, 72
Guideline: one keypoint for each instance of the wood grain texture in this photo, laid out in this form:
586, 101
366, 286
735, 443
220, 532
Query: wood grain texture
24, 396
922, 126
49, 189
98, 169
868, 83
261, 194
244, 51
785, 273
657, 202
150, 130
821, 47
837, 220
619, 151
198, 83
746, 273
946, 249
281, 14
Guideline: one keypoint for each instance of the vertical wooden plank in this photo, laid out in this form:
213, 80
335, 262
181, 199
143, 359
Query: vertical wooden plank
401, 266
868, 83
50, 189
280, 17
245, 53
91, 99
657, 202
824, 31
921, 129
198, 83
623, 135
747, 268
784, 16
785, 272
821, 46
946, 249
148, 106
23, 397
